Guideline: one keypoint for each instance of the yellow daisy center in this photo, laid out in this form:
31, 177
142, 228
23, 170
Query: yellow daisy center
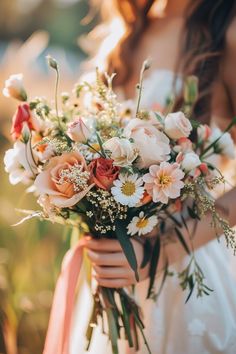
128, 188
165, 180
94, 146
142, 223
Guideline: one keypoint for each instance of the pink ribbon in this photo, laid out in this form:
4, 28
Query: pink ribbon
58, 334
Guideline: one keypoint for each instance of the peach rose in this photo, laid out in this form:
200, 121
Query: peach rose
177, 125
103, 172
152, 145
66, 180
23, 116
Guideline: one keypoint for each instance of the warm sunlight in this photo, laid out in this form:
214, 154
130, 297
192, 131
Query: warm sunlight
116, 30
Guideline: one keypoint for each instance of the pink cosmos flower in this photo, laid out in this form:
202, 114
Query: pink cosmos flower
164, 182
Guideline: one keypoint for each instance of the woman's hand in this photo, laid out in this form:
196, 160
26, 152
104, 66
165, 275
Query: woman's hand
111, 268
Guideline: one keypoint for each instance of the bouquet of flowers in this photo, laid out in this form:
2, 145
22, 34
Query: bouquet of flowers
120, 172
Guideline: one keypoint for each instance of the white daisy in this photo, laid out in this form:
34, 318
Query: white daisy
128, 189
141, 225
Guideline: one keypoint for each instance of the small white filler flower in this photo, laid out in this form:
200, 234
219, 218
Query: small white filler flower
128, 189
142, 225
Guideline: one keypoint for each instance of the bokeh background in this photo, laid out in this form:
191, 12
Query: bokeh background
30, 254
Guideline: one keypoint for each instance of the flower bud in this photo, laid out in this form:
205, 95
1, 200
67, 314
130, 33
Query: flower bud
52, 62
191, 90
190, 161
64, 97
25, 132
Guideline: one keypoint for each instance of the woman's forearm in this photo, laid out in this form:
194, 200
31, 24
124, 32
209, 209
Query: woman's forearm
204, 231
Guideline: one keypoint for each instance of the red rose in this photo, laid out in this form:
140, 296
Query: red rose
103, 173
23, 115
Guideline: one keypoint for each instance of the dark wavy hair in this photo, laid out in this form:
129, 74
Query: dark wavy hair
203, 44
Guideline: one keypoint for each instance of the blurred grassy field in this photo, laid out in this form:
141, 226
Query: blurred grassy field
31, 254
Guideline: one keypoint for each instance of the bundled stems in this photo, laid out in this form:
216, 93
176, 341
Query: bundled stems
120, 311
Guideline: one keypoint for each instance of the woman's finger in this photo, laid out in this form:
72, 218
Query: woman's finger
103, 245
114, 283
107, 259
113, 272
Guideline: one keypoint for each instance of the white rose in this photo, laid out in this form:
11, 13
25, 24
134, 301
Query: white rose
225, 145
122, 150
190, 161
20, 164
14, 87
79, 131
177, 125
153, 146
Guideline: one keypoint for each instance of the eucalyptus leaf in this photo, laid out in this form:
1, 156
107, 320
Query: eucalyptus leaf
182, 240
127, 246
154, 264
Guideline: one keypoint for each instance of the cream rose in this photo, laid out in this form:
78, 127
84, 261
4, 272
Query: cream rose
20, 164
79, 131
14, 87
152, 145
66, 180
123, 152
177, 125
225, 144
190, 161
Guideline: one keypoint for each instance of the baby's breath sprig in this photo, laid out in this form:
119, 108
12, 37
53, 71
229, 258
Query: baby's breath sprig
104, 211
204, 203
58, 145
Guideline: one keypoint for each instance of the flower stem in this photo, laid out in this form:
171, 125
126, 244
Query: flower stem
145, 67
56, 98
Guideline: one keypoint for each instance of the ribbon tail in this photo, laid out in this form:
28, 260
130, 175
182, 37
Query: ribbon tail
58, 334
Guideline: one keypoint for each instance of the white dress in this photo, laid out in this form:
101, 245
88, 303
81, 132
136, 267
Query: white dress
204, 325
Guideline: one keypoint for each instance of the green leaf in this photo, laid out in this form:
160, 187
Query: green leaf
192, 213
190, 294
153, 264
165, 274
100, 142
141, 327
147, 253
113, 332
195, 124
126, 322
182, 240
159, 118
127, 246
173, 218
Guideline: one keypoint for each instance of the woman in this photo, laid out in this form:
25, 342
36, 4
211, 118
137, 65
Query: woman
183, 37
